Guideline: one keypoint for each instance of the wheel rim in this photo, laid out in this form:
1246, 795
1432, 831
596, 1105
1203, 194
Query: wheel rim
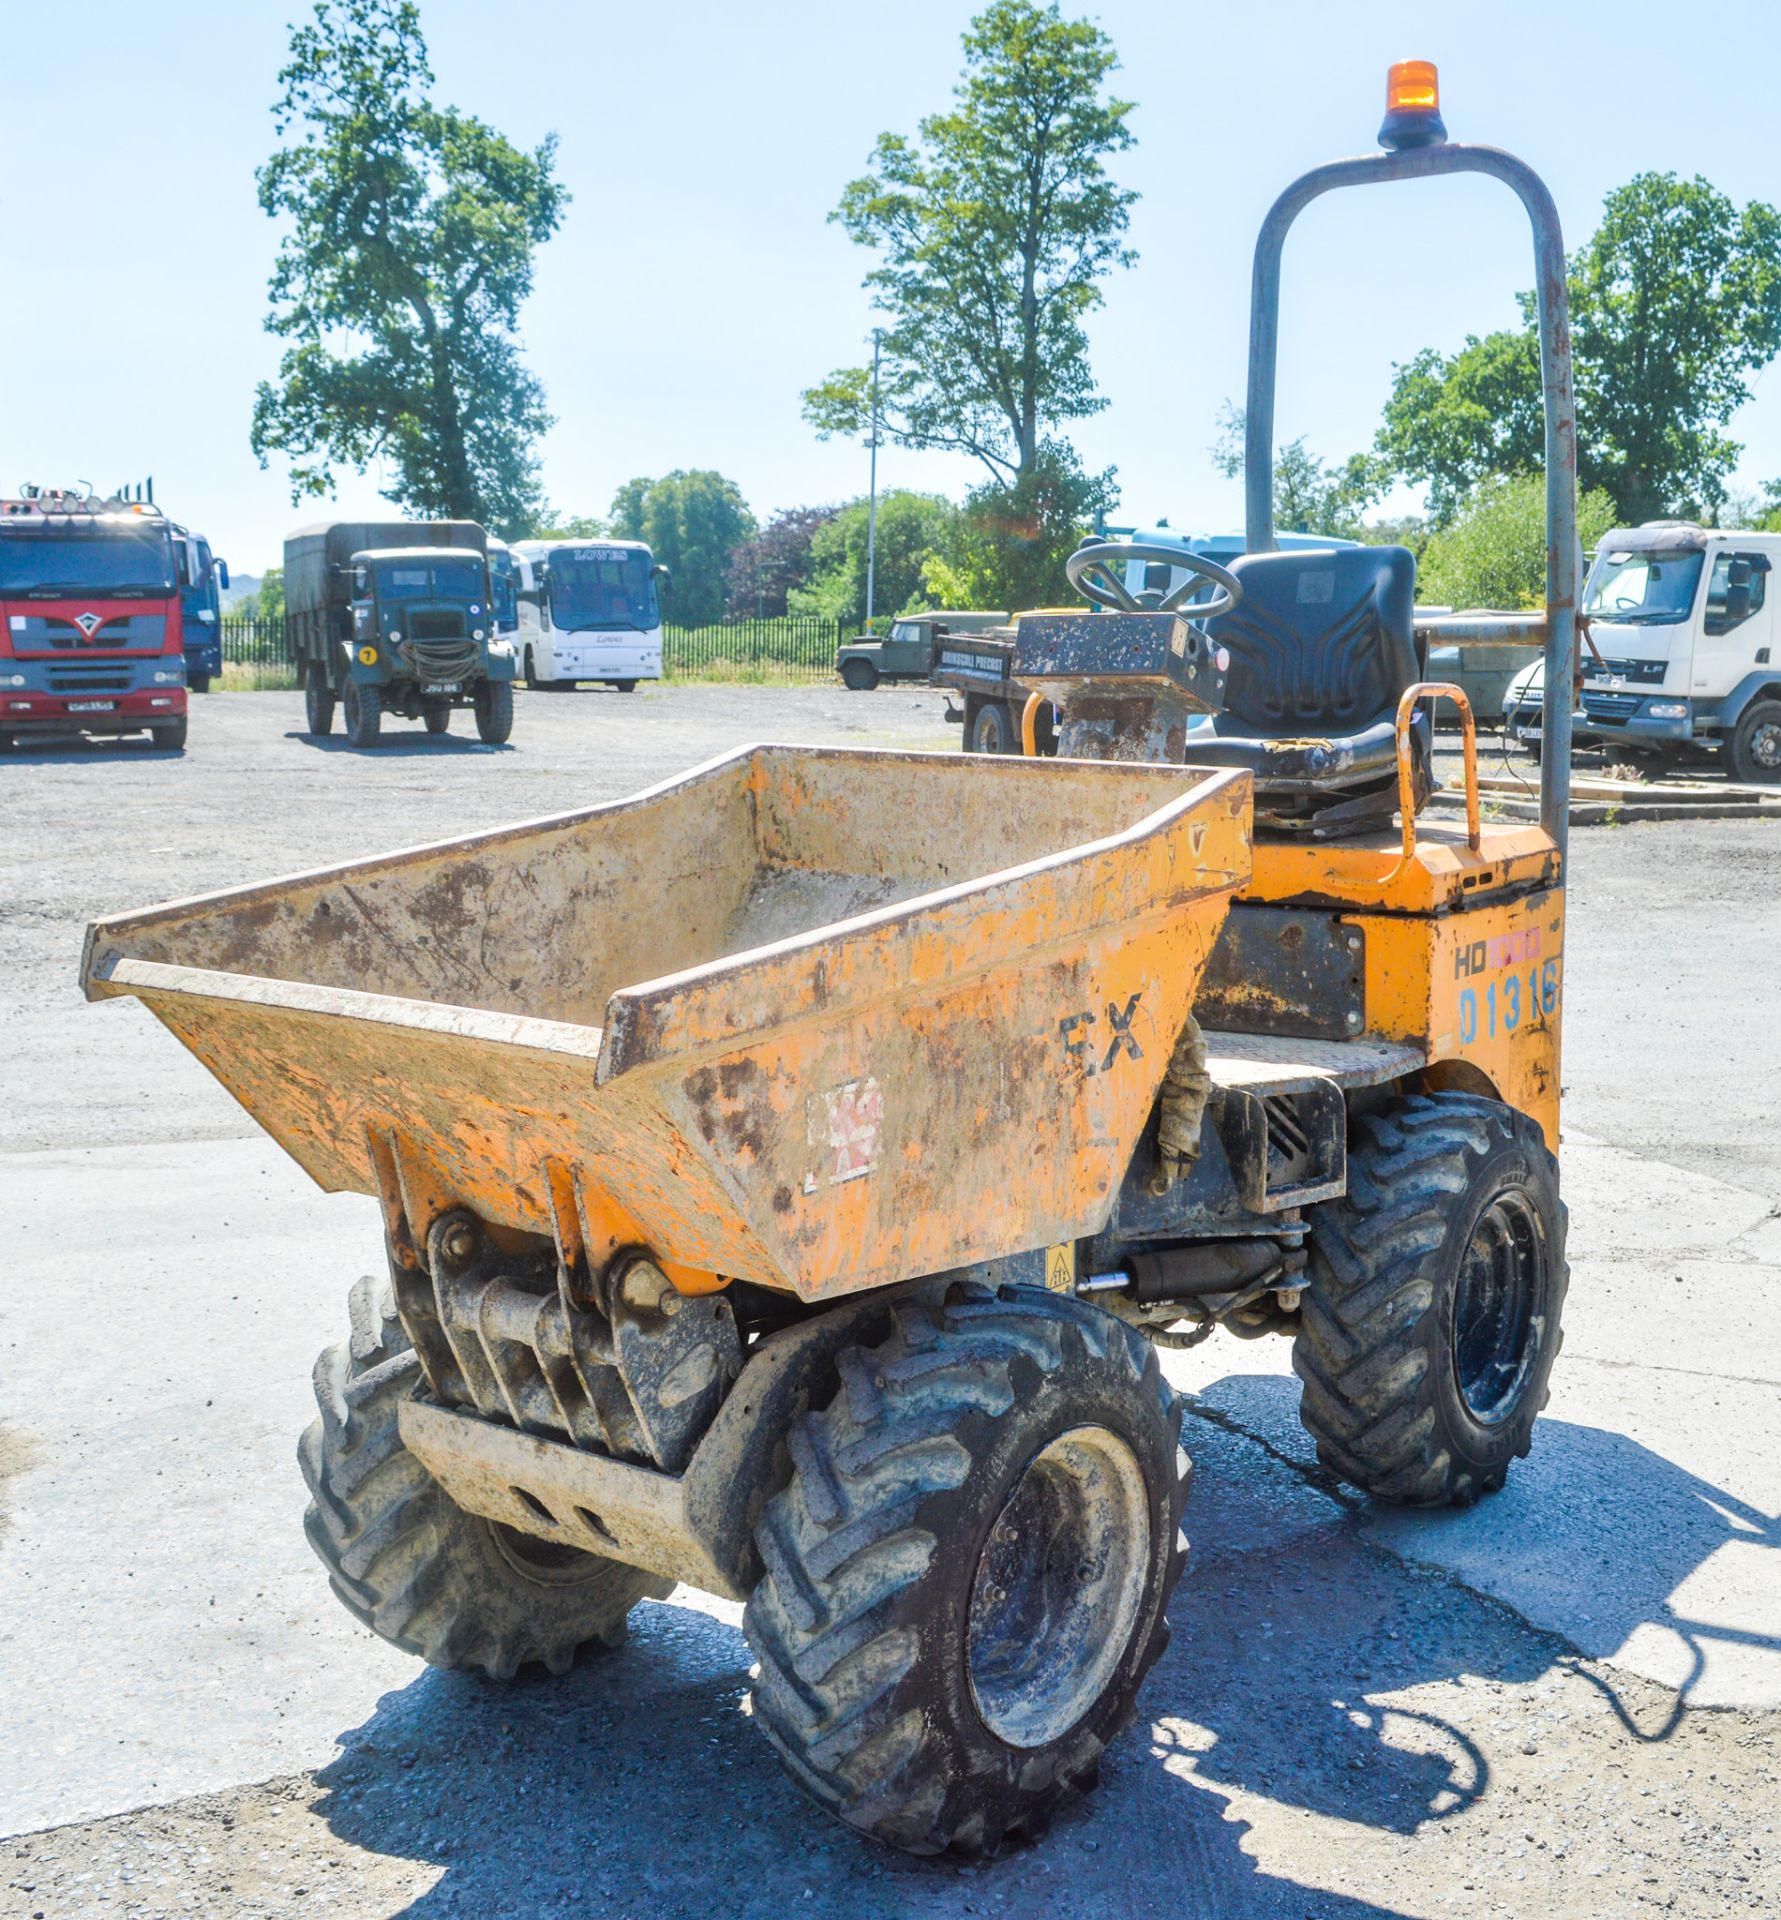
1496, 1300
1765, 745
1059, 1587
987, 733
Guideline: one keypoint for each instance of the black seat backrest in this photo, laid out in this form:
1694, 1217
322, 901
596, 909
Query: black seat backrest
1323, 641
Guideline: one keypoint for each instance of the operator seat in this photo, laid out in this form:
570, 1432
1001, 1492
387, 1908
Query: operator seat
1321, 647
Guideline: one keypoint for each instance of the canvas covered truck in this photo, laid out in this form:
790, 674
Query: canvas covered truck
91, 627
396, 618
790, 1175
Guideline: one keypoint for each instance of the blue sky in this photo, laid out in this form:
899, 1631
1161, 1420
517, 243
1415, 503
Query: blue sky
696, 287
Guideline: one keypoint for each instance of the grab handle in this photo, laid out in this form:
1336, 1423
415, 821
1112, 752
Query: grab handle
1430, 690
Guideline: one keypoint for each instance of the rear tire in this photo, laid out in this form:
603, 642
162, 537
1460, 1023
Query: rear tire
198, 682
364, 713
170, 736
625, 686
318, 703
420, 1572
859, 676
966, 1575
437, 719
990, 730
1431, 1320
1755, 746
494, 711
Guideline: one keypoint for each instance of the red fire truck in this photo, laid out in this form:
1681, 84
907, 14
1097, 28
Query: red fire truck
91, 635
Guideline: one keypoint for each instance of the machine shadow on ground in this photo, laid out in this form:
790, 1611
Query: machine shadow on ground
637, 1784
392, 746
1309, 1668
1601, 1530
83, 751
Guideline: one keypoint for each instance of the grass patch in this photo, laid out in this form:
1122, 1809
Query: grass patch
256, 676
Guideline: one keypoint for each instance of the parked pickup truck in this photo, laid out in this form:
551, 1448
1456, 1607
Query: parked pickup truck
907, 651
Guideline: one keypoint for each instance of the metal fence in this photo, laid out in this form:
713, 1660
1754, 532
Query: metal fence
795, 649
255, 657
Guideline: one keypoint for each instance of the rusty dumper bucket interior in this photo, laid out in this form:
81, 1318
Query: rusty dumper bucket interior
812, 1018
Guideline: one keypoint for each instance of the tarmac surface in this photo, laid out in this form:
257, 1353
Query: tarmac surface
1565, 1701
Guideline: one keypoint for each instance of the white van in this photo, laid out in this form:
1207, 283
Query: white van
1685, 648
588, 610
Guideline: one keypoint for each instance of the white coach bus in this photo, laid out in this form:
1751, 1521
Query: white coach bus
588, 610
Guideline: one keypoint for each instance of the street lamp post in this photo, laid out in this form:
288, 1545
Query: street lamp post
872, 496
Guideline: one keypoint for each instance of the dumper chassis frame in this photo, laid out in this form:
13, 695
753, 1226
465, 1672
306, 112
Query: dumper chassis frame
907, 1475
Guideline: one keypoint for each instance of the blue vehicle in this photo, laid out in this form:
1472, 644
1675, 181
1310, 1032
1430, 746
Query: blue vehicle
202, 580
503, 586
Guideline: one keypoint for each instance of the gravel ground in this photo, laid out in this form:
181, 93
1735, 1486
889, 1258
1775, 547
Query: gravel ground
1333, 1735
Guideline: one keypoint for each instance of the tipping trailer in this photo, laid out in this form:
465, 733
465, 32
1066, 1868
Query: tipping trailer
396, 617
789, 1175
91, 628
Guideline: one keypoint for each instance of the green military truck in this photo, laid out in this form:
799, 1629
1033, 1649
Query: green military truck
396, 617
907, 651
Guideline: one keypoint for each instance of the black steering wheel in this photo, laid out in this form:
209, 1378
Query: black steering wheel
1092, 571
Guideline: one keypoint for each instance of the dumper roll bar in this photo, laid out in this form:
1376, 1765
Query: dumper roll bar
1557, 633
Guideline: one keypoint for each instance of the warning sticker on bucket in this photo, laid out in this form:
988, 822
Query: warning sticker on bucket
844, 1124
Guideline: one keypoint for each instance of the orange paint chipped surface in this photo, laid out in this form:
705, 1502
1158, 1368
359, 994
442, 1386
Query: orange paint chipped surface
803, 1017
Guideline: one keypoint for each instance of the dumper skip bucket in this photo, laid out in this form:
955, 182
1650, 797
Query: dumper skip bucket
814, 1018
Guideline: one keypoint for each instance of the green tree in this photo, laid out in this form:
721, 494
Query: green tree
1454, 421
569, 526
266, 602
1756, 508
994, 227
1675, 303
1309, 497
1012, 542
912, 529
1492, 553
693, 522
409, 248
775, 563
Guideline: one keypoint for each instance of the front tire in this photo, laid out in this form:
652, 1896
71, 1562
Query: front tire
1436, 1284
1755, 746
420, 1572
859, 676
318, 703
437, 717
494, 711
170, 736
966, 1574
364, 713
